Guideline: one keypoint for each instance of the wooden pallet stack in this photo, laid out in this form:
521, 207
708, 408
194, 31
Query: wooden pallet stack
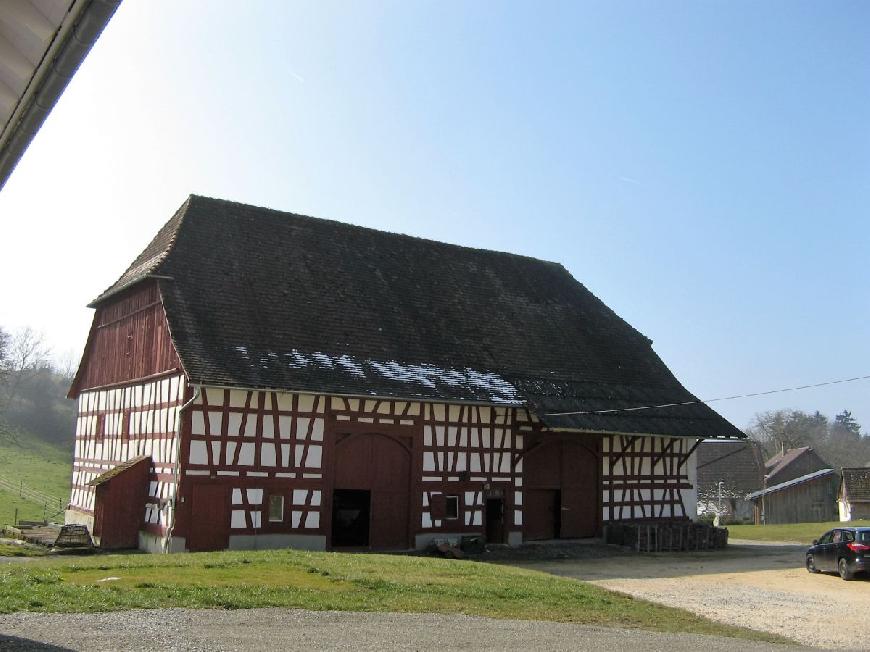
666, 536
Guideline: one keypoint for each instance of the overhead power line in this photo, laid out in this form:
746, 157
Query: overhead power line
709, 400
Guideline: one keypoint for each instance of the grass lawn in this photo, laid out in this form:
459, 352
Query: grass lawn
334, 581
796, 532
39, 465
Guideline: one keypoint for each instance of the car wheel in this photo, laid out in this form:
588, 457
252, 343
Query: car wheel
811, 564
845, 573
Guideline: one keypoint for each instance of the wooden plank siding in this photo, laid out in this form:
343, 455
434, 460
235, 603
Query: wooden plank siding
129, 340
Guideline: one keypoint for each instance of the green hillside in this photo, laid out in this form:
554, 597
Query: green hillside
40, 465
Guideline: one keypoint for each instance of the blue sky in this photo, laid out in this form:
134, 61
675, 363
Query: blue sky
703, 167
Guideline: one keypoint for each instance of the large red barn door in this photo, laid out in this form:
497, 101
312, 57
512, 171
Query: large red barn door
381, 465
209, 516
579, 492
561, 489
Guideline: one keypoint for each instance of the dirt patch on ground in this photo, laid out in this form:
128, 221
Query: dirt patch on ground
762, 586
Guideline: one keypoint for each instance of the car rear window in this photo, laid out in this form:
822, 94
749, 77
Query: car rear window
864, 537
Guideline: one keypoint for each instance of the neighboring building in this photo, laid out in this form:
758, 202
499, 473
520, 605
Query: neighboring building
853, 498
792, 463
42, 43
727, 472
810, 498
302, 382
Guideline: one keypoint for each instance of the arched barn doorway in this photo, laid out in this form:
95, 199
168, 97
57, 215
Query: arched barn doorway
371, 492
562, 488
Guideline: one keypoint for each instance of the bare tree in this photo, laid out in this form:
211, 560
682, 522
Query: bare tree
24, 354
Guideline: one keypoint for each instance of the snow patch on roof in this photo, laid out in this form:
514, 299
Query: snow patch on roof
496, 388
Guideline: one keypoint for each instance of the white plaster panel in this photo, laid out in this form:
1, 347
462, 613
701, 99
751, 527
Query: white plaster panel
198, 452
238, 520
234, 424
317, 430
246, 454
255, 496
255, 519
315, 498
426, 520
518, 517
285, 425
428, 461
312, 521
267, 454
268, 426
314, 456
230, 452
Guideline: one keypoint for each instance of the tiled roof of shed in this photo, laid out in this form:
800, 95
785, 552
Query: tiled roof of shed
856, 482
782, 459
265, 299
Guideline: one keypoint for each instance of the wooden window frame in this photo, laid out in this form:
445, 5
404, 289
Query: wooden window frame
276, 522
455, 501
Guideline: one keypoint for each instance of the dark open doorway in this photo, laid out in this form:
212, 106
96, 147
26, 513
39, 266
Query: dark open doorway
494, 520
350, 517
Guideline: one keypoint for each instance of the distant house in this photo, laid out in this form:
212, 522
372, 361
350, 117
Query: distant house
792, 463
809, 498
853, 498
727, 472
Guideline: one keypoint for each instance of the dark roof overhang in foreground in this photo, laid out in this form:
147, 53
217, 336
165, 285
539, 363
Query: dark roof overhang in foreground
44, 42
262, 299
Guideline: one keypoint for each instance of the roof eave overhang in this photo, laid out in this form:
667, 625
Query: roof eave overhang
581, 431
72, 41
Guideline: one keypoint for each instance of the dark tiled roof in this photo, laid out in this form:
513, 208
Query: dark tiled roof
736, 463
792, 463
782, 459
265, 299
856, 482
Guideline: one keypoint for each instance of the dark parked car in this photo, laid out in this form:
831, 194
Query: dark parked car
844, 550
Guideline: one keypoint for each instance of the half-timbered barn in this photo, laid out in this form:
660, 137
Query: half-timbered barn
292, 381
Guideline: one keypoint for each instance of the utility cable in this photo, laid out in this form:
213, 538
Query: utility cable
709, 400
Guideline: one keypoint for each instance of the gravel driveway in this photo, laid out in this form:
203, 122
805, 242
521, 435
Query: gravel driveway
762, 586
282, 629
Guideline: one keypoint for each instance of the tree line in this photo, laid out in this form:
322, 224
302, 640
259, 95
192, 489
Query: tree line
33, 389
838, 441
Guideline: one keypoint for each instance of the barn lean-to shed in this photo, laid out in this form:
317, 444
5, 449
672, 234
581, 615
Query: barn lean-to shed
303, 382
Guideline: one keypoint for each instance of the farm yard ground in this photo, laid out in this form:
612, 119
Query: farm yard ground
761, 585
237, 586
293, 629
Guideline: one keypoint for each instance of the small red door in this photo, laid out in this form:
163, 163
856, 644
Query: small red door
210, 518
